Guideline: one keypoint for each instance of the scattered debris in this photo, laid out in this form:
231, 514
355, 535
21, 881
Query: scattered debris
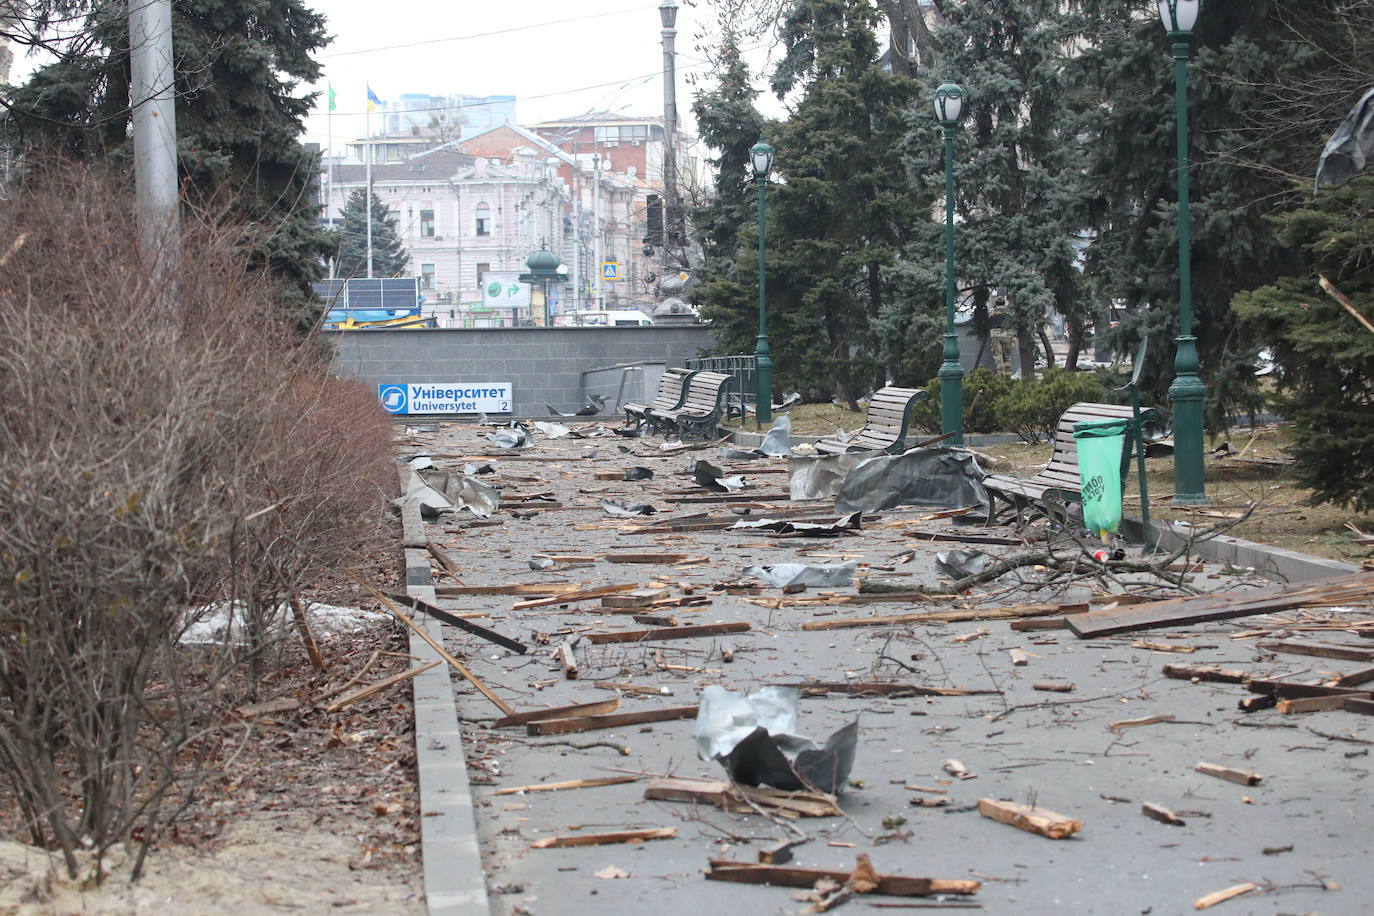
1241, 777
1161, 814
605, 839
619, 509
568, 784
1032, 820
802, 574
790, 876
1212, 899
742, 799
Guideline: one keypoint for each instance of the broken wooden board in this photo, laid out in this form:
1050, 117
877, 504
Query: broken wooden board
439, 553
1212, 899
1040, 821
736, 798
539, 590
1230, 774
585, 594
851, 688
945, 536
958, 616
1319, 649
709, 629
1288, 690
615, 720
1206, 673
638, 598
600, 707
664, 558
790, 876
1317, 704
567, 784
1355, 678
1175, 612
605, 839
1161, 814
453, 620
363, 693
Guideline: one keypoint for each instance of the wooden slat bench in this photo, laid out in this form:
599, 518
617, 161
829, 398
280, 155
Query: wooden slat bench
701, 408
672, 391
885, 426
1059, 484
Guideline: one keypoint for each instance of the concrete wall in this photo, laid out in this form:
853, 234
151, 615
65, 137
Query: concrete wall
557, 366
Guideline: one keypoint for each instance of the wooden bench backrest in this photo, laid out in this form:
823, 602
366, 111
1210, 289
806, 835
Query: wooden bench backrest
886, 419
670, 386
1064, 461
703, 392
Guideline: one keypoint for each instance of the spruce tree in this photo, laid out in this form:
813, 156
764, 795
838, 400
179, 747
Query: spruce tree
389, 258
838, 207
240, 65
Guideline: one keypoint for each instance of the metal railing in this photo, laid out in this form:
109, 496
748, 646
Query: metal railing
744, 392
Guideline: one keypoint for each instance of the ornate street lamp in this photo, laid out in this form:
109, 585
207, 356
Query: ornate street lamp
949, 107
1186, 393
761, 158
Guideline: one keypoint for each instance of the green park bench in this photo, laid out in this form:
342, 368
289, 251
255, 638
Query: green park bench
701, 408
885, 424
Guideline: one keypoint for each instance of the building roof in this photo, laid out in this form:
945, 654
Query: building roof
525, 136
432, 165
598, 117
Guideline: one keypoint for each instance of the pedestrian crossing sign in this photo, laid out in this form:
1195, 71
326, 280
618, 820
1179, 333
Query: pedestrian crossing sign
610, 270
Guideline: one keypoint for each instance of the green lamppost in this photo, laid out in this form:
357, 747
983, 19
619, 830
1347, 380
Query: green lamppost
1186, 393
949, 106
761, 157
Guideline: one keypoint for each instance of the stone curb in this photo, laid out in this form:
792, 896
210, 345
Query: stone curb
455, 884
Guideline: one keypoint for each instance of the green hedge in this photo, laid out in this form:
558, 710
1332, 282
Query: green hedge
994, 402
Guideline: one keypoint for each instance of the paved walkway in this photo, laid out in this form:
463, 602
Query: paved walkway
1303, 825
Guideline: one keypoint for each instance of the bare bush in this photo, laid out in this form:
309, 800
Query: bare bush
150, 460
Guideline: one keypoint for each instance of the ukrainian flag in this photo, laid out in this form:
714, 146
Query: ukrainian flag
372, 100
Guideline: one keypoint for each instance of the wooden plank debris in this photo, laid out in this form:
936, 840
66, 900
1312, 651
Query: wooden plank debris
615, 720
312, 649
855, 688
363, 693
736, 798
559, 712
539, 590
1240, 777
1212, 899
1040, 821
585, 594
468, 626
1122, 724
1317, 704
791, 876
664, 558
446, 561
1206, 673
653, 690
567, 784
1319, 649
1356, 678
638, 598
605, 839
1358, 704
1054, 686
1161, 814
709, 629
567, 659
957, 616
1172, 612
1287, 690
1161, 646
778, 852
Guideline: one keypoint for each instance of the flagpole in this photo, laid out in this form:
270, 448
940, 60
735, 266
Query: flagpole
367, 131
329, 171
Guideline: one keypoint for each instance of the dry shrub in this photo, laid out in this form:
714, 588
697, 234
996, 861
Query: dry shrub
158, 449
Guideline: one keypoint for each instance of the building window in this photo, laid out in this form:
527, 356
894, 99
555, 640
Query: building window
426, 224
482, 268
426, 276
483, 219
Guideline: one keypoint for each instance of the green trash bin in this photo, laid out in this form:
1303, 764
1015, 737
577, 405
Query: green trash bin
1099, 469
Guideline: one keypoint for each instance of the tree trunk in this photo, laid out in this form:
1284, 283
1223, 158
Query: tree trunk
1076, 332
1025, 354
1049, 350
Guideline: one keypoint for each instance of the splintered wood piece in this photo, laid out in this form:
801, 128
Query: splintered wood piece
778, 853
605, 839
736, 798
1003, 613
856, 688
1212, 899
312, 649
1039, 821
1358, 704
1287, 690
454, 620
1205, 673
567, 659
791, 876
585, 594
1241, 777
648, 557
637, 598
568, 784
1255, 704
1356, 678
655, 620
710, 629
559, 712
446, 561
615, 720
1319, 649
1318, 704
443, 653
1121, 724
642, 689
364, 692
1161, 814
1040, 623
287, 704
1018, 657
1053, 686
507, 588
1162, 646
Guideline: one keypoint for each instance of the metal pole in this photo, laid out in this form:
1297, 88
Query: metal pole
763, 405
1187, 392
669, 152
596, 233
951, 372
153, 80
367, 146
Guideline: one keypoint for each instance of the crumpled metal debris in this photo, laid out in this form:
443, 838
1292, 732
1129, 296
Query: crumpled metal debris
638, 473
783, 574
944, 478
778, 440
711, 477
846, 523
552, 430
463, 492
514, 437
752, 737
625, 510
963, 562
1347, 151
473, 470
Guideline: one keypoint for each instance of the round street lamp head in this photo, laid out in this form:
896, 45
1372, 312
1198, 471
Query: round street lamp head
1179, 16
949, 103
667, 12
761, 157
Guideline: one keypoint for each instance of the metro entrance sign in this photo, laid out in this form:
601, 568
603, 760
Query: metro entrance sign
446, 397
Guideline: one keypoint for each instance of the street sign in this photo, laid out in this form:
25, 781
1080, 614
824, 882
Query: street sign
610, 270
446, 397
